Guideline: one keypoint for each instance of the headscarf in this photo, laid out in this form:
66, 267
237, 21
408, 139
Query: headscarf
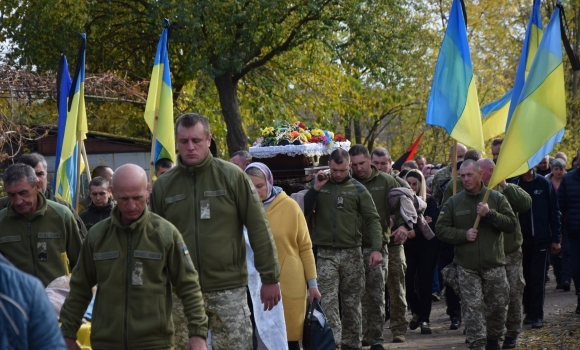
273, 191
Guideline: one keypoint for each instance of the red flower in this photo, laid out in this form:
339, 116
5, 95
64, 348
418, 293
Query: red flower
314, 139
339, 138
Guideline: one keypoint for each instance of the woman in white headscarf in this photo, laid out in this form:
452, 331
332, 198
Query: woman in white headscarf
297, 266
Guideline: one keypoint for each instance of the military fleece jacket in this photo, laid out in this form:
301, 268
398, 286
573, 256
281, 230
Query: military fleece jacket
459, 214
339, 209
34, 243
135, 267
209, 204
379, 184
519, 200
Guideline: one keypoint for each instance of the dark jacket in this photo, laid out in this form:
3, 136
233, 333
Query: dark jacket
94, 214
26, 320
540, 224
569, 202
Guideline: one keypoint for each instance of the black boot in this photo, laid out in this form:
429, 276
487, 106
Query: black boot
509, 343
492, 344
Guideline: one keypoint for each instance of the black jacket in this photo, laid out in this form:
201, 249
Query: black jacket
540, 224
94, 214
569, 201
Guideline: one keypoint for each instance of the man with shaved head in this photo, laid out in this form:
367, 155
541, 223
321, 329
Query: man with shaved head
136, 257
479, 255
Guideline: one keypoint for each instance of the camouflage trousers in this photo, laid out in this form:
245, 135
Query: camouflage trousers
373, 299
397, 266
228, 320
484, 300
342, 270
515, 276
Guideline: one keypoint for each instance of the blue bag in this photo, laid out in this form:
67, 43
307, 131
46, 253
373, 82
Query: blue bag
317, 334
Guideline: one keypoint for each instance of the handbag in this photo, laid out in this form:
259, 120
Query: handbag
317, 334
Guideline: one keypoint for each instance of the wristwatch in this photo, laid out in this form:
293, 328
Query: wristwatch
490, 214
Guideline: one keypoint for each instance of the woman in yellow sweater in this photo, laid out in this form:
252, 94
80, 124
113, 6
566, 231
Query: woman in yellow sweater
297, 267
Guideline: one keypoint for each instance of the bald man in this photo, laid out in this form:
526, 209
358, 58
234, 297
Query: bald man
135, 257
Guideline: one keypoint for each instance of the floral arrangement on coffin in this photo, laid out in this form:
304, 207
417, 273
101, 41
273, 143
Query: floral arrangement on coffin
295, 134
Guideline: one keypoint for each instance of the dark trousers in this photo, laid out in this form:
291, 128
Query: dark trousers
421, 261
574, 244
446, 255
561, 262
534, 266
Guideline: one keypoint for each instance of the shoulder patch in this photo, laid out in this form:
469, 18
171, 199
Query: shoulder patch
442, 212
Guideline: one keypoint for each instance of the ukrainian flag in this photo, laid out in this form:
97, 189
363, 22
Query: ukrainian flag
540, 114
453, 102
160, 102
72, 121
495, 116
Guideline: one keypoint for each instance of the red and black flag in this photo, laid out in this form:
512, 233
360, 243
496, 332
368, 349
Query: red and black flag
409, 154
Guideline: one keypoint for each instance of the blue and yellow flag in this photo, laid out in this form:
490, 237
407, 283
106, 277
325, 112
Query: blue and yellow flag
453, 102
160, 103
531, 43
72, 120
495, 116
540, 114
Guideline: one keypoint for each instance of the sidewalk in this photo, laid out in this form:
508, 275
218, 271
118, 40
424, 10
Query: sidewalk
561, 327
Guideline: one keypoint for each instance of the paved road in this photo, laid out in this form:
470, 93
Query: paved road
558, 305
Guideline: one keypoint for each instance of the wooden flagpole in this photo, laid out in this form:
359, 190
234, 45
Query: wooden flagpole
454, 173
153, 143
86, 159
79, 156
485, 198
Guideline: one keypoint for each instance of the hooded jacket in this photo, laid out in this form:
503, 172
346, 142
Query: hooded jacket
459, 214
210, 203
34, 243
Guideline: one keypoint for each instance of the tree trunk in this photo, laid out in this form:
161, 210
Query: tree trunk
228, 92
347, 128
357, 132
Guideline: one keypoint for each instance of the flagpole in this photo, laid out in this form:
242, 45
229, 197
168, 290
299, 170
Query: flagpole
485, 198
86, 159
454, 173
153, 143
79, 156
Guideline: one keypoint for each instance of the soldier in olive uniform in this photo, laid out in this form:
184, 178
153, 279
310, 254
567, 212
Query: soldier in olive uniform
479, 255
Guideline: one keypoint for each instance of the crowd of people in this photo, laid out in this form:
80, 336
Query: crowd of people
214, 254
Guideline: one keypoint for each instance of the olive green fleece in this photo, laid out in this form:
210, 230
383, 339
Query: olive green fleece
50, 196
23, 239
459, 214
135, 267
379, 184
520, 202
339, 225
216, 241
